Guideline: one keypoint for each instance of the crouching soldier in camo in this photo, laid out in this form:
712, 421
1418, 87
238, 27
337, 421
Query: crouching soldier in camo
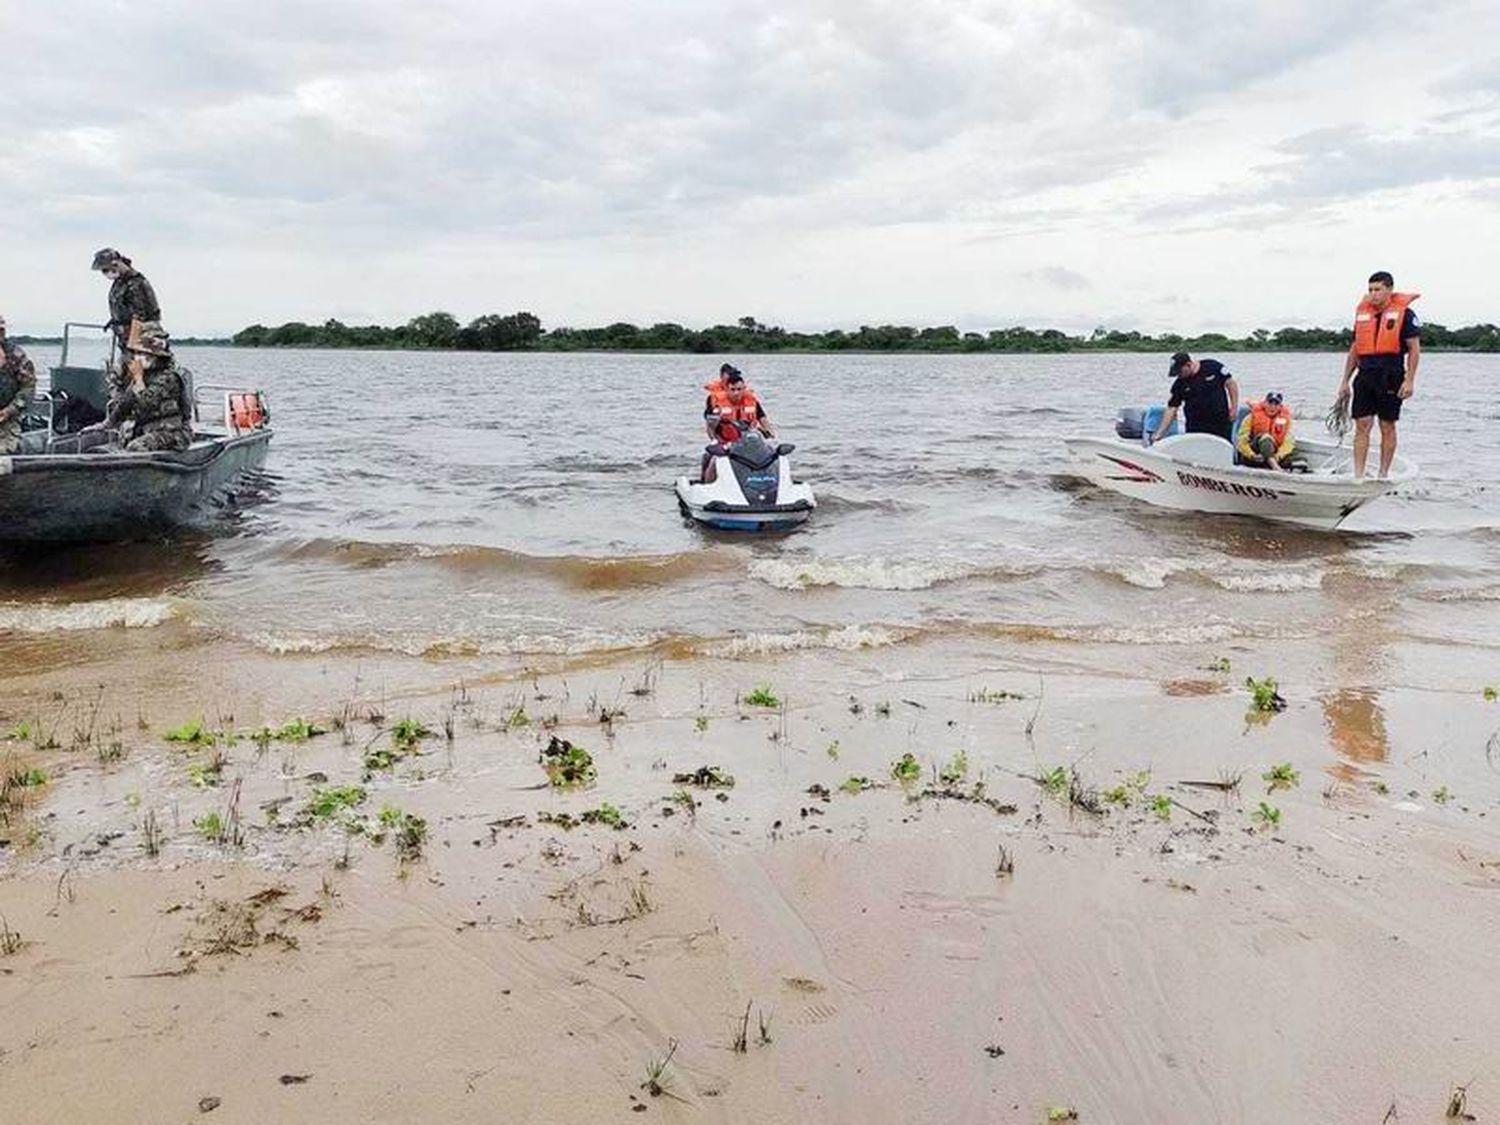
153, 397
17, 384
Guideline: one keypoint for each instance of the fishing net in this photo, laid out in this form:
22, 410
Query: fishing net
1337, 418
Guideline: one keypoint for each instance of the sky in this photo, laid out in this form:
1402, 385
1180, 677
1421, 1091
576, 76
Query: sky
1134, 164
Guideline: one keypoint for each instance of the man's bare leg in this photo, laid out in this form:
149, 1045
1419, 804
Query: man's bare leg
1361, 445
1387, 447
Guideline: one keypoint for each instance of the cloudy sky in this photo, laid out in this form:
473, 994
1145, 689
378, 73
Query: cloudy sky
1149, 164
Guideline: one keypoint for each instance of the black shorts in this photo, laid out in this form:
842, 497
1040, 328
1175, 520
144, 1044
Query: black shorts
1377, 394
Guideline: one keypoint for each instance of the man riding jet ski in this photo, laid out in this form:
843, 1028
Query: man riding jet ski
745, 482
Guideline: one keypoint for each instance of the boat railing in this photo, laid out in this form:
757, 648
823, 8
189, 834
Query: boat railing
236, 410
67, 341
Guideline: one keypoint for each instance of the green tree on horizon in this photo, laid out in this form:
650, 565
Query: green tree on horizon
523, 331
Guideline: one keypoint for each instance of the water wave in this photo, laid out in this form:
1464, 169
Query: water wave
850, 638
1268, 579
1469, 594
881, 572
873, 572
293, 642
68, 617
583, 572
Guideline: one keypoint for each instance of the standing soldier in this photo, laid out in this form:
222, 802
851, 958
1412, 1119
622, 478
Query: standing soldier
17, 384
130, 294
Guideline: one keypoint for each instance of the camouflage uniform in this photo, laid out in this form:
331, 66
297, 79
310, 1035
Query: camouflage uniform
156, 410
17, 384
131, 298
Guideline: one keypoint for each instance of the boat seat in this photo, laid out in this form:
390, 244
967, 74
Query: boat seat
1234, 430
1207, 450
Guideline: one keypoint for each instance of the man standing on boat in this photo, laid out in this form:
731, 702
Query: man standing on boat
1386, 350
130, 294
17, 385
1208, 392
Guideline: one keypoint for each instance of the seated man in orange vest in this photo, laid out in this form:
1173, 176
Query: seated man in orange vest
732, 408
1386, 350
1264, 439
730, 412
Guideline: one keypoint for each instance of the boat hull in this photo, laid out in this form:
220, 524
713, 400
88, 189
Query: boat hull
92, 497
1315, 500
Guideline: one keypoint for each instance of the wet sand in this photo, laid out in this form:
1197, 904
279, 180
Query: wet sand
1132, 967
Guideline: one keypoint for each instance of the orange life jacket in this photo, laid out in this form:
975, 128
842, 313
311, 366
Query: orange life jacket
746, 410
1273, 420
246, 412
1378, 331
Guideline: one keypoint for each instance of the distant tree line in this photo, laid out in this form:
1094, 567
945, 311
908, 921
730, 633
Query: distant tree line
523, 331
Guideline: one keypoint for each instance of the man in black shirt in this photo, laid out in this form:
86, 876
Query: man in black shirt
1208, 391
1386, 350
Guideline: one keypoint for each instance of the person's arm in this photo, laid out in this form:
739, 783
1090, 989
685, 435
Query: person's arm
1242, 441
763, 422
1351, 363
1166, 424
711, 418
1413, 357
161, 396
121, 407
1233, 390
26, 384
141, 299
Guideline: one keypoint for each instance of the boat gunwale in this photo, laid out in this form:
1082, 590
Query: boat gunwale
204, 454
1369, 487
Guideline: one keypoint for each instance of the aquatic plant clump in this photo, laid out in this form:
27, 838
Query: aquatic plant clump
294, 730
955, 770
1265, 699
705, 777
192, 733
763, 696
332, 800
1281, 776
906, 769
568, 766
407, 732
408, 830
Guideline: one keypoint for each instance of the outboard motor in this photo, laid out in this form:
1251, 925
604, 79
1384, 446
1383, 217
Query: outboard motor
1129, 423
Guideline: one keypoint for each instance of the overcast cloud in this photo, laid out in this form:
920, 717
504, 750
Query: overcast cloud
1147, 164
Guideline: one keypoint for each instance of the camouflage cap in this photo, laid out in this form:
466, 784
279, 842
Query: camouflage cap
149, 338
107, 257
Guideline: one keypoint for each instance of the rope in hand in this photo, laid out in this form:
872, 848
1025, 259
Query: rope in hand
1337, 418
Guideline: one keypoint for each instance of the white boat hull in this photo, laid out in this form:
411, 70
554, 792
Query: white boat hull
1192, 474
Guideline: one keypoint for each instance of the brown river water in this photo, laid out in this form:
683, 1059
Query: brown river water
521, 505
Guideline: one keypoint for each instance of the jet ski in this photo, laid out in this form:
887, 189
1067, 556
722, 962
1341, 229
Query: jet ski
747, 485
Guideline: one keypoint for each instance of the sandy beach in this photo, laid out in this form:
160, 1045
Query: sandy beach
817, 942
